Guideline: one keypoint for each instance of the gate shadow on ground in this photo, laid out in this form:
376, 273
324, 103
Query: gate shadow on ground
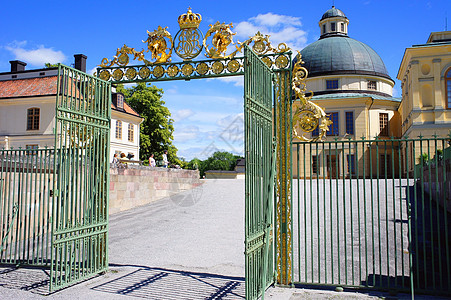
32, 279
159, 283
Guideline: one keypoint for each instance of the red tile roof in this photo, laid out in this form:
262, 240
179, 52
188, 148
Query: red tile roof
40, 86
127, 109
28, 87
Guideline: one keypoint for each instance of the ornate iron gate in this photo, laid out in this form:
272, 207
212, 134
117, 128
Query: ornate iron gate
259, 149
81, 178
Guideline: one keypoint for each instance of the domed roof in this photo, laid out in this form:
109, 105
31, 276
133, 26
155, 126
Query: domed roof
333, 12
336, 55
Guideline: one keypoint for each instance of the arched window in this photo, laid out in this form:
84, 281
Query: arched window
119, 130
448, 88
33, 118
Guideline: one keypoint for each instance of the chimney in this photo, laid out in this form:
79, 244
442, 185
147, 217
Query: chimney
17, 65
80, 62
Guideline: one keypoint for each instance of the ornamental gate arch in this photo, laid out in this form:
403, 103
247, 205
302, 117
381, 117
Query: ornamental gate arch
78, 201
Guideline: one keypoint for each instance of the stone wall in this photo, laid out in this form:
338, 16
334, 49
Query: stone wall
132, 186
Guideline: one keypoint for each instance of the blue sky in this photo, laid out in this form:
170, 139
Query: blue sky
207, 113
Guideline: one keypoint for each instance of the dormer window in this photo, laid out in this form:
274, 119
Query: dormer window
120, 101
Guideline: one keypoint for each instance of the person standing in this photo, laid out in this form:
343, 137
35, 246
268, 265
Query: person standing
115, 159
165, 159
152, 162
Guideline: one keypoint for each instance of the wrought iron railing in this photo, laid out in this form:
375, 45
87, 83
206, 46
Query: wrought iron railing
373, 213
26, 187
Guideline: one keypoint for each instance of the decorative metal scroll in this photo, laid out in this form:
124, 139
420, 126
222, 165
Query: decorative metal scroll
307, 116
188, 43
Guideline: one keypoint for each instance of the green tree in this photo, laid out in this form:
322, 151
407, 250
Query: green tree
224, 161
50, 65
156, 130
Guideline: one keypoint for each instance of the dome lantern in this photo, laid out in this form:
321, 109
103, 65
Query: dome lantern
333, 23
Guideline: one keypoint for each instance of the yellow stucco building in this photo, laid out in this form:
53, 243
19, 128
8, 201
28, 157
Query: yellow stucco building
351, 83
425, 73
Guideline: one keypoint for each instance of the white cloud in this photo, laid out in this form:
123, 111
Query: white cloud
236, 80
93, 71
280, 28
36, 57
182, 114
270, 19
188, 133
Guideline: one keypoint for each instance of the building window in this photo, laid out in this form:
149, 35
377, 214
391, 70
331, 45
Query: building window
383, 124
332, 26
372, 85
343, 27
131, 132
315, 131
448, 88
119, 130
315, 164
120, 101
333, 128
350, 122
32, 147
324, 28
351, 163
33, 118
332, 84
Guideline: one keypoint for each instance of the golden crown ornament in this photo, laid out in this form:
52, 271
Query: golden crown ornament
187, 41
189, 20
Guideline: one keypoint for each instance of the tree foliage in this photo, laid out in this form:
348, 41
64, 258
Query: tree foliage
156, 130
50, 65
224, 161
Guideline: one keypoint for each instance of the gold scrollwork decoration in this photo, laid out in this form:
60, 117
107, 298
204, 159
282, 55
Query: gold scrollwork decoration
202, 68
307, 116
121, 58
157, 44
262, 45
222, 37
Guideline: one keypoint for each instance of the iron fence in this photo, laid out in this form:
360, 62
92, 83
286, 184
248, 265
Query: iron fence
26, 187
373, 213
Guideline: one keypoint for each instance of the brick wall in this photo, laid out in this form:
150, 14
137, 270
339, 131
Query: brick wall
139, 185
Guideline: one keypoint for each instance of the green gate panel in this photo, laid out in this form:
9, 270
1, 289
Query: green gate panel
81, 178
258, 94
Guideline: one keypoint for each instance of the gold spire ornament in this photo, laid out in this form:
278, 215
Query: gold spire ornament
187, 43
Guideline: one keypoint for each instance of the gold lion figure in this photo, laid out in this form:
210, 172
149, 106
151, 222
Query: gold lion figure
157, 46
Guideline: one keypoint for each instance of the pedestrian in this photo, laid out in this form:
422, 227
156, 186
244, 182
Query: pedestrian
115, 159
152, 162
165, 159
